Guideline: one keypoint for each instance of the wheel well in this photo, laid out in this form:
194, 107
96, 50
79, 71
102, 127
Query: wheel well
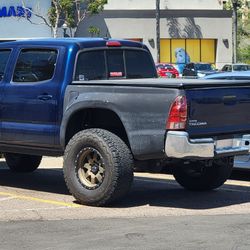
95, 118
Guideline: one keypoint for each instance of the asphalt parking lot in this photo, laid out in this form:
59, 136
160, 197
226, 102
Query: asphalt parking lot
43, 195
37, 206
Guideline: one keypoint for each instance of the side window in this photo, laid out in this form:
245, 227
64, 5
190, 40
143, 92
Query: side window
91, 66
4, 56
35, 65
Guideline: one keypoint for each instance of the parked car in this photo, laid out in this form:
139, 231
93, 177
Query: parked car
166, 70
235, 67
235, 75
197, 70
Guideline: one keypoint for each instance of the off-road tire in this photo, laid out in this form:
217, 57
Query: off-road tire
198, 177
22, 163
115, 158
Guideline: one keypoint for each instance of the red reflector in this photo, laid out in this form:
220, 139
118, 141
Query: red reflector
177, 117
113, 44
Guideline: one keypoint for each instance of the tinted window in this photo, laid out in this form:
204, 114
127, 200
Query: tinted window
164, 66
139, 64
224, 68
91, 66
4, 56
35, 65
240, 67
103, 64
203, 67
115, 63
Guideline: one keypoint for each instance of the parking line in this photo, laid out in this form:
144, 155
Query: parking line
30, 198
7, 198
230, 182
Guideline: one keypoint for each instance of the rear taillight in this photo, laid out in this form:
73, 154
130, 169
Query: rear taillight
177, 117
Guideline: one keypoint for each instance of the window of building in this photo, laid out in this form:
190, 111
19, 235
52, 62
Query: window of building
182, 51
4, 56
35, 65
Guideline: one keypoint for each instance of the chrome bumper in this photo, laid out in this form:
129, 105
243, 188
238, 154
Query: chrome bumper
178, 145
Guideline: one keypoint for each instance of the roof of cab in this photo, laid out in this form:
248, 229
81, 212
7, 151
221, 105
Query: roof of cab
81, 42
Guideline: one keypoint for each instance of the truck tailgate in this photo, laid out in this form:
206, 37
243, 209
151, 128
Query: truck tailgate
214, 111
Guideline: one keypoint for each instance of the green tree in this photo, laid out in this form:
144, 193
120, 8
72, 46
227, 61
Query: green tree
243, 29
94, 31
71, 12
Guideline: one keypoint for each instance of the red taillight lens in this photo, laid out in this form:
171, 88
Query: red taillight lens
113, 44
177, 117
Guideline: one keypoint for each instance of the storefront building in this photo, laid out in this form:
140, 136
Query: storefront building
16, 22
190, 31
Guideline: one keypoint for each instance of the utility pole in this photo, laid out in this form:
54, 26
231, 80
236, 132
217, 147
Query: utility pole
157, 15
235, 5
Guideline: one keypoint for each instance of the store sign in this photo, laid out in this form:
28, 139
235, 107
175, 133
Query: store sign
13, 11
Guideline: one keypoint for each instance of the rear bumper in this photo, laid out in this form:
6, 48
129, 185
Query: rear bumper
179, 145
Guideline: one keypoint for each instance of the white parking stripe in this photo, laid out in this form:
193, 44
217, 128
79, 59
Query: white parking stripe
7, 198
222, 188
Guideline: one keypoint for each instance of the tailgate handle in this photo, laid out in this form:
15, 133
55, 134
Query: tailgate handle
45, 97
229, 100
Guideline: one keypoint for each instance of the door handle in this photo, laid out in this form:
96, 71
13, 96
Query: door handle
45, 97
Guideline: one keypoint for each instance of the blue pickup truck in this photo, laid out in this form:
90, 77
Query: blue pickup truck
98, 103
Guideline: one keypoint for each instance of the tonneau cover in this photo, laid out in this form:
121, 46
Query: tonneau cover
168, 83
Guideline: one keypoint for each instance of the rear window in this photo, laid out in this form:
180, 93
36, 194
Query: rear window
203, 67
139, 64
91, 66
4, 56
114, 63
164, 66
241, 67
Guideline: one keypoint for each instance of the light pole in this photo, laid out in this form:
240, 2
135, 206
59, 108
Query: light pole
64, 27
158, 17
235, 5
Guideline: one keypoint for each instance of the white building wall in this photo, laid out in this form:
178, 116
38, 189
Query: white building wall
19, 27
145, 29
165, 4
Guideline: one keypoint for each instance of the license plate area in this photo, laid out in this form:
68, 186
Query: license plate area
240, 143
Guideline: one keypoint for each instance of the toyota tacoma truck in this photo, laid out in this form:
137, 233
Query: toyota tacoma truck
99, 103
